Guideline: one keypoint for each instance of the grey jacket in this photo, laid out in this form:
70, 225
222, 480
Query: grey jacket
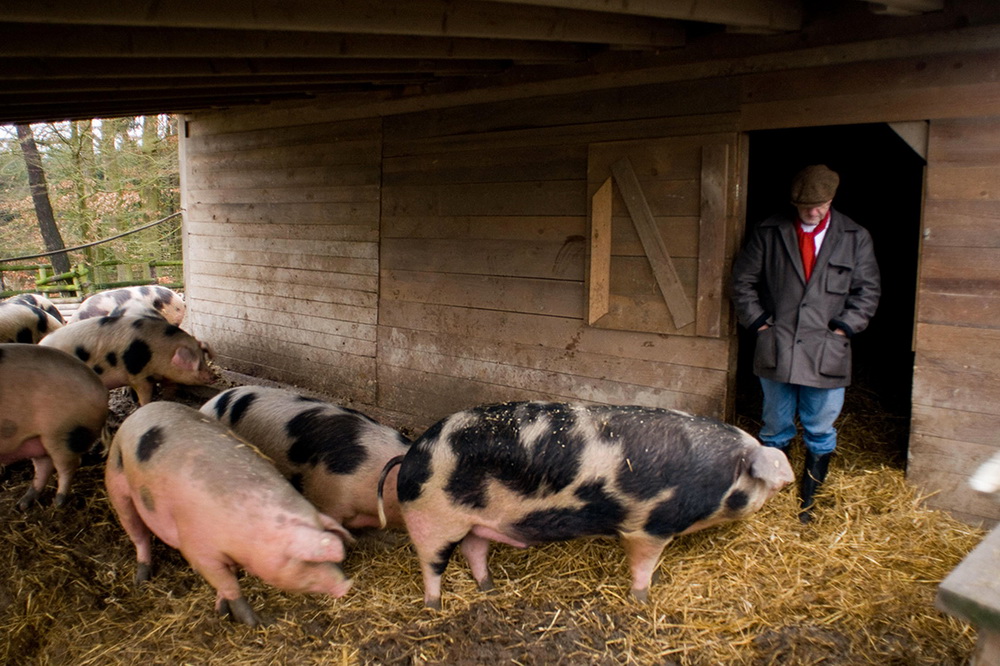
769, 287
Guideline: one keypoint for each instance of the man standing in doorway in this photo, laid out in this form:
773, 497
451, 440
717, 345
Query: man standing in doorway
806, 283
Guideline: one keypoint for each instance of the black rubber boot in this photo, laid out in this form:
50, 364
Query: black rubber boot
812, 478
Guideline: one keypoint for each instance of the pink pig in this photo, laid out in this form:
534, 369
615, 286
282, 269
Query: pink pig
182, 476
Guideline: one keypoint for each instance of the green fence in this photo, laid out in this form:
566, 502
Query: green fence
86, 279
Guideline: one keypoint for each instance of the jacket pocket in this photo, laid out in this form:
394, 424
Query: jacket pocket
835, 356
838, 279
765, 354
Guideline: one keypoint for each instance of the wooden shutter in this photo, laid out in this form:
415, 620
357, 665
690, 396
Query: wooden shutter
659, 215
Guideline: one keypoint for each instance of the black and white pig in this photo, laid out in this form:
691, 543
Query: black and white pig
136, 351
147, 299
182, 476
25, 323
40, 302
333, 455
52, 410
528, 472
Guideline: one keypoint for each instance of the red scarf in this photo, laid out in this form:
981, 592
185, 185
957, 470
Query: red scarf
807, 244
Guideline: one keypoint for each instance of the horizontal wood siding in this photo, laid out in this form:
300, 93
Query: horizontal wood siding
484, 228
282, 251
956, 383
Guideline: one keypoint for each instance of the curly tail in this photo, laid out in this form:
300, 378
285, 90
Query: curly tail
381, 482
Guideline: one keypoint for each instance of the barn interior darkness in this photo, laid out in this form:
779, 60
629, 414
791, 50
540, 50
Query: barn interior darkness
881, 189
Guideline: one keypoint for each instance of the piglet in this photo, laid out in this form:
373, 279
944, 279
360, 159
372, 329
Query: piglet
528, 472
52, 410
182, 476
23, 322
136, 351
40, 302
332, 454
147, 299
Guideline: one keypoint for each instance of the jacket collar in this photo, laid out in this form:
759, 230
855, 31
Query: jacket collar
786, 228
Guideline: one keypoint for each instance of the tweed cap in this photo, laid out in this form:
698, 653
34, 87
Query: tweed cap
814, 185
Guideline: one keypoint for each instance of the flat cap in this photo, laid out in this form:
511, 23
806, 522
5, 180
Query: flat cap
814, 185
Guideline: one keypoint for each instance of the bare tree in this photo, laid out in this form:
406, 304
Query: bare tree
40, 196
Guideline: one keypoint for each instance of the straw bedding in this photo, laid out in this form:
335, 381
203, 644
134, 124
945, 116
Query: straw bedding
854, 587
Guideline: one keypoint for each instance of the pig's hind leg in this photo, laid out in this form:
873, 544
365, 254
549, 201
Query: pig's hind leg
43, 472
229, 601
131, 521
476, 549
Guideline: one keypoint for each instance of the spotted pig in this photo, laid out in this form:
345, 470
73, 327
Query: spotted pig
40, 302
136, 351
180, 475
527, 472
21, 322
147, 299
52, 410
332, 454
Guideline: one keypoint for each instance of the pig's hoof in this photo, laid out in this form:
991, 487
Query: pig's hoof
434, 604
28, 499
641, 595
486, 584
61, 499
143, 572
238, 609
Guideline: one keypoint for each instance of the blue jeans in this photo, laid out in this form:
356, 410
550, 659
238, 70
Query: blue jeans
817, 409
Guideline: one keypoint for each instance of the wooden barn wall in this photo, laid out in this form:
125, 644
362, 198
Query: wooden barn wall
956, 383
484, 228
281, 256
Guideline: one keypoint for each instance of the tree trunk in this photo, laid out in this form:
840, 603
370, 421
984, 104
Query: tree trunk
40, 195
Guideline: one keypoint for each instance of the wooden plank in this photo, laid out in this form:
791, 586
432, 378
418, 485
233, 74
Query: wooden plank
958, 347
974, 223
504, 199
712, 239
967, 390
360, 233
598, 272
972, 428
559, 298
950, 491
197, 253
972, 141
323, 296
585, 368
568, 336
297, 319
531, 259
349, 175
950, 456
944, 306
531, 162
971, 591
541, 228
283, 246
298, 213
308, 281
319, 152
666, 276
226, 140
349, 194
969, 183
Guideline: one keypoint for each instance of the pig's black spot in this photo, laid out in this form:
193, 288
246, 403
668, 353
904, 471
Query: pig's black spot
737, 501
441, 563
136, 357
222, 402
148, 443
158, 304
689, 505
298, 482
332, 439
600, 515
79, 439
171, 330
147, 498
662, 449
121, 296
493, 446
304, 398
119, 462
108, 321
25, 336
240, 407
414, 472
98, 368
111, 358
1, 355
82, 354
144, 290
43, 319
139, 323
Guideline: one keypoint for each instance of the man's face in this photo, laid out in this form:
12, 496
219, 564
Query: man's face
813, 214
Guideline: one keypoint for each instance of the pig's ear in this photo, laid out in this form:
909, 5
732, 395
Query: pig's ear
307, 544
331, 525
770, 465
185, 359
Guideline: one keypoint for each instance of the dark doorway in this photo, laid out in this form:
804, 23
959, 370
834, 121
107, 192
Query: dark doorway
882, 189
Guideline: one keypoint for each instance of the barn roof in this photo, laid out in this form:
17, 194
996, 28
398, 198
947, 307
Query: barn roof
93, 58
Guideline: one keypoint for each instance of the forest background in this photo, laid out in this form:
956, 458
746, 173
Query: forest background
101, 178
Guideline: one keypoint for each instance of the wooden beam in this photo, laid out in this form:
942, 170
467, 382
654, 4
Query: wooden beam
659, 258
35, 40
436, 18
778, 15
599, 271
